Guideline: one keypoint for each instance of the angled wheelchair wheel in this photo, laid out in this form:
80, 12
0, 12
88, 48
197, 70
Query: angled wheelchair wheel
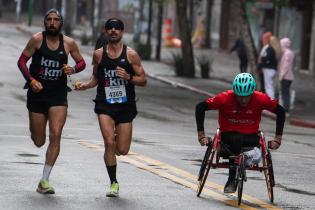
204, 162
269, 176
240, 177
205, 167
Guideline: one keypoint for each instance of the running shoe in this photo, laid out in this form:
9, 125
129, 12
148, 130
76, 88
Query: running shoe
45, 188
114, 190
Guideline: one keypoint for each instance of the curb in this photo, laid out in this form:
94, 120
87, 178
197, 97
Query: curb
293, 121
302, 123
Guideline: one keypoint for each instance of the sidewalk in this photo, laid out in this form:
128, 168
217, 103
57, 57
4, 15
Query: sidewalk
225, 67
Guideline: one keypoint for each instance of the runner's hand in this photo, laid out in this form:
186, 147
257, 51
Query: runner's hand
80, 85
121, 72
275, 143
204, 140
68, 69
36, 86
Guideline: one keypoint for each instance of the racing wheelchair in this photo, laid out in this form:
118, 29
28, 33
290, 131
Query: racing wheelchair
213, 159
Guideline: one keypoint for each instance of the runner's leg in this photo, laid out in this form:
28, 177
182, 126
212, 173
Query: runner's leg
57, 119
37, 125
107, 126
123, 138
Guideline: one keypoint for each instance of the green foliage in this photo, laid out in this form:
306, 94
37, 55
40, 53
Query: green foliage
205, 65
178, 63
144, 50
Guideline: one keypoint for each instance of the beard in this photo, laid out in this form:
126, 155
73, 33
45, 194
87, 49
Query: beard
114, 40
52, 32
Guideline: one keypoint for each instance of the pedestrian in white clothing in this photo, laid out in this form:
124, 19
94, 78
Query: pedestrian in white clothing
269, 64
286, 71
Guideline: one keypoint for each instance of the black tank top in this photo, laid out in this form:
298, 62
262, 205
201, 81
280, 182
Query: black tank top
46, 66
112, 89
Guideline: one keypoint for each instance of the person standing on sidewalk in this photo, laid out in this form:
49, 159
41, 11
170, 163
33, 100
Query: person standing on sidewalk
240, 48
47, 93
116, 70
269, 65
286, 75
265, 42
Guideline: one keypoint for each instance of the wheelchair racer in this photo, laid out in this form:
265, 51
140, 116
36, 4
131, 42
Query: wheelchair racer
240, 111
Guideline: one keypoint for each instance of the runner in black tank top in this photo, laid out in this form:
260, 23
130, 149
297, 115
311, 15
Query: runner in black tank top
116, 70
47, 93
112, 89
46, 67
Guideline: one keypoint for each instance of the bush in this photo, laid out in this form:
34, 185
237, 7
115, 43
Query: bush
205, 65
178, 64
144, 50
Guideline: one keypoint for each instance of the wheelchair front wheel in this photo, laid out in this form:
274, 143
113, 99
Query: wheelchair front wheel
269, 176
205, 168
240, 177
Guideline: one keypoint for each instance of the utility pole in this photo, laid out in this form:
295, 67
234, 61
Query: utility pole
30, 12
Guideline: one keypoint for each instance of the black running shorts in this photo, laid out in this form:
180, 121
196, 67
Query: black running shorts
120, 113
42, 104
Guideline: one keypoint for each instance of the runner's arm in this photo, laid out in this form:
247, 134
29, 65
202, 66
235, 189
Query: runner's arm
77, 57
200, 110
139, 78
280, 112
27, 53
93, 79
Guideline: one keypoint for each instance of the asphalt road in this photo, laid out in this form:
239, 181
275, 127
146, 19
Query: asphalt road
160, 171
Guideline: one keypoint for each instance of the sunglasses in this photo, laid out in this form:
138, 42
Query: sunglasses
117, 25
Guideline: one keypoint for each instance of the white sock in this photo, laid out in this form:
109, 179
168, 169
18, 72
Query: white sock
46, 171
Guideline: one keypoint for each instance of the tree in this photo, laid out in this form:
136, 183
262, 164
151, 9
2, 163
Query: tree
249, 42
207, 43
185, 37
159, 28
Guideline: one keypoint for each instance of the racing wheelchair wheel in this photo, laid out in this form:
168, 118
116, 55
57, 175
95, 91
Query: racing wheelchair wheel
205, 167
269, 176
240, 177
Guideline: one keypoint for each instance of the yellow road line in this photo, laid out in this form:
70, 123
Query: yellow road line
167, 171
184, 182
194, 178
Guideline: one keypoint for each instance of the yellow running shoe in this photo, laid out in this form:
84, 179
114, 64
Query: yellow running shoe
45, 188
114, 190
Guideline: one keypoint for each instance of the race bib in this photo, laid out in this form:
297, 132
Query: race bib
116, 94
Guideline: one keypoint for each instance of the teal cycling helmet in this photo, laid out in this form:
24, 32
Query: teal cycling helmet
244, 84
